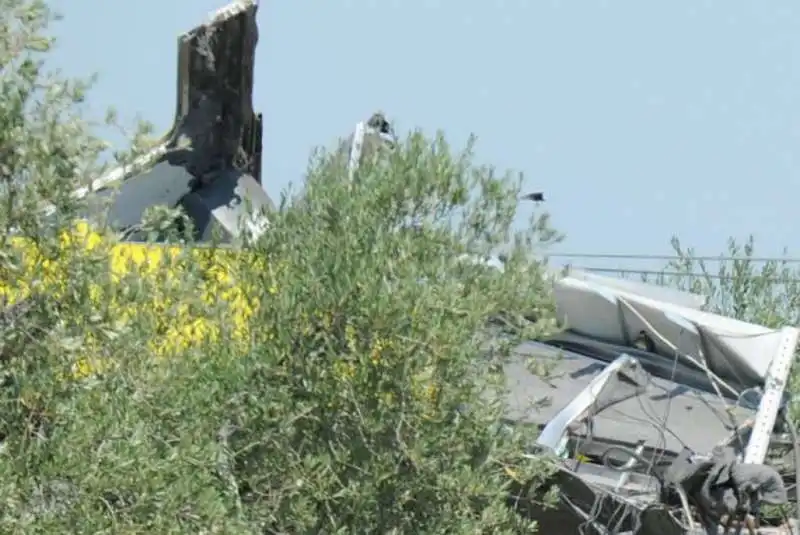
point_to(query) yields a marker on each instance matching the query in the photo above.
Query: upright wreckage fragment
(209, 163)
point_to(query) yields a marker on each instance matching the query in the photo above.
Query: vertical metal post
(774, 385)
(356, 147)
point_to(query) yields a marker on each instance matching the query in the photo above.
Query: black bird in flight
(535, 197)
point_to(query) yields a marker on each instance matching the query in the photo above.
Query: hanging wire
(661, 273)
(626, 511)
(715, 380)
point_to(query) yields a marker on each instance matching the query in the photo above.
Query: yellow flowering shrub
(221, 404)
(182, 317)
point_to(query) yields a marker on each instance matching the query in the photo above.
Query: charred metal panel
(215, 127)
(215, 135)
(161, 184)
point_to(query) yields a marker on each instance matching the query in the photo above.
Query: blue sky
(639, 120)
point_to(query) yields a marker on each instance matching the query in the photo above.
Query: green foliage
(396, 327)
(746, 288)
(765, 292)
(366, 398)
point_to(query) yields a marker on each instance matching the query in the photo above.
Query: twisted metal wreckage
(662, 418)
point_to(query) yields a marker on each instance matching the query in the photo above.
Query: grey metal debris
(644, 441)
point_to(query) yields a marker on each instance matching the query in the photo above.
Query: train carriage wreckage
(660, 418)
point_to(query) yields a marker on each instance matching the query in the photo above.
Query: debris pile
(661, 418)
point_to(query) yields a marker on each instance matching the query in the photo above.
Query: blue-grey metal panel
(162, 184)
(694, 418)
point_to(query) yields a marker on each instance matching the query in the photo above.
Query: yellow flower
(350, 337)
(159, 273)
(375, 353)
(344, 370)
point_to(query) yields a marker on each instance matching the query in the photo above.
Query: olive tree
(376, 343)
(64, 313)
(337, 375)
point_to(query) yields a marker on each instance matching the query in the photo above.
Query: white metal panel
(554, 432)
(652, 291)
(593, 309)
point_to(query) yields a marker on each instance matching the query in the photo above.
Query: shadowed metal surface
(231, 201)
(694, 418)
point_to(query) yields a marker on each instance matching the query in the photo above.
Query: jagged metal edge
(231, 10)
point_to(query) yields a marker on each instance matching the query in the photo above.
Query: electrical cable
(625, 510)
(719, 258)
(716, 381)
(713, 379)
(661, 425)
(655, 473)
(597, 509)
(668, 410)
(651, 420)
(605, 459)
(647, 411)
(665, 273)
(711, 376)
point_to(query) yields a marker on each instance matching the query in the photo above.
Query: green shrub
(373, 342)
(363, 398)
